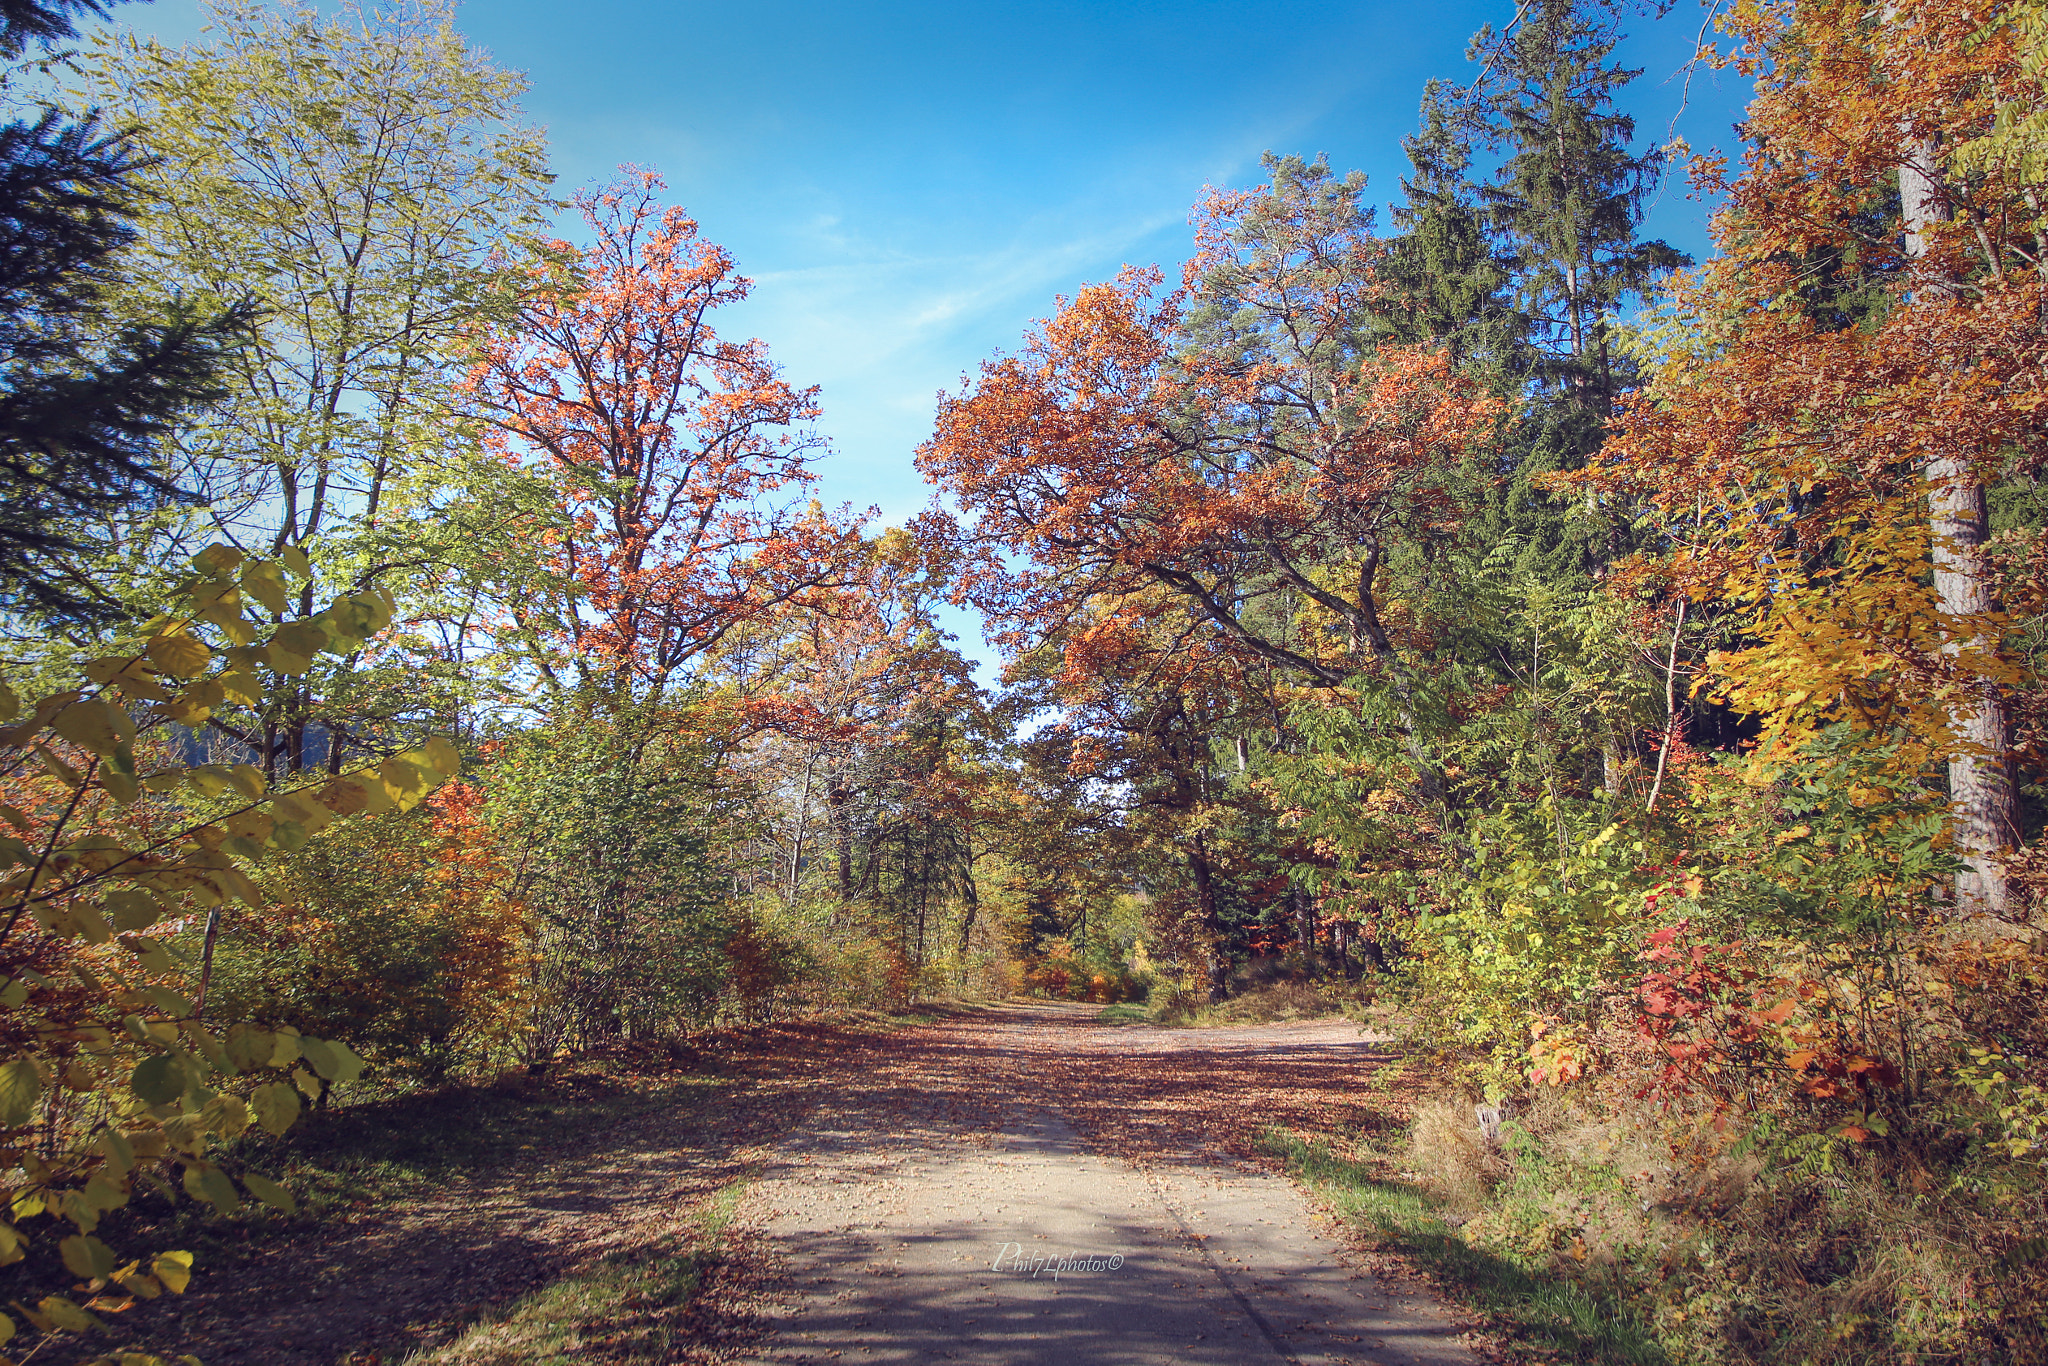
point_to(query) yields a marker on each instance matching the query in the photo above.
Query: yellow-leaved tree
(112, 1077)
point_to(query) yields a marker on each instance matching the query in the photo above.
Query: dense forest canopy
(430, 647)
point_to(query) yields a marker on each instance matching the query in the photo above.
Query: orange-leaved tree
(678, 454)
(1234, 442)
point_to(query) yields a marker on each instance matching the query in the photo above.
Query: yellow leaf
(296, 807)
(270, 1193)
(179, 656)
(445, 759)
(58, 769)
(332, 1059)
(216, 559)
(276, 1105)
(21, 1086)
(91, 926)
(131, 908)
(131, 1279)
(358, 792)
(152, 954)
(204, 1181)
(207, 693)
(226, 1115)
(121, 787)
(345, 796)
(228, 616)
(248, 824)
(405, 781)
(250, 1047)
(241, 687)
(104, 1194)
(23, 731)
(98, 726)
(287, 1051)
(86, 1258)
(66, 1315)
(174, 1269)
(265, 583)
(120, 1153)
(302, 638)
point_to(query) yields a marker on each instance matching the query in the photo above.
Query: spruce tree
(1446, 281)
(83, 398)
(1519, 275)
(1569, 195)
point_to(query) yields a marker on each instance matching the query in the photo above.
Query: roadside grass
(625, 1309)
(1272, 1003)
(377, 1155)
(1550, 1315)
(383, 1152)
(388, 1149)
(1124, 1014)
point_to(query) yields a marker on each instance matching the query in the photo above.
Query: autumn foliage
(1624, 680)
(676, 452)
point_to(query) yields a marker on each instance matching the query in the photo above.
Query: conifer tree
(1446, 280)
(83, 399)
(1569, 195)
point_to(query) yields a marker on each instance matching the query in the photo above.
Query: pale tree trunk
(1979, 777)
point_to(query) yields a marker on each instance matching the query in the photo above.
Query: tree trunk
(1304, 907)
(970, 900)
(843, 832)
(1212, 921)
(1979, 775)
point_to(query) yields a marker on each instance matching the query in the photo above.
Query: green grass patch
(1124, 1015)
(1547, 1313)
(627, 1308)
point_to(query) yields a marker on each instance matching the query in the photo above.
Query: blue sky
(910, 184)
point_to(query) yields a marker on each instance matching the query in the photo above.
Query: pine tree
(83, 399)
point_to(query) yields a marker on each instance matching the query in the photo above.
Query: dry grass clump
(1761, 1242)
(1450, 1156)
(1280, 1001)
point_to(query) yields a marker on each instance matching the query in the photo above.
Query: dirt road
(1027, 1184)
(909, 1194)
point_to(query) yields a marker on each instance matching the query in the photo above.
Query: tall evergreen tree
(1518, 277)
(1569, 195)
(83, 398)
(1446, 281)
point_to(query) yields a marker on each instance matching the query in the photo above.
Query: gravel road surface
(949, 1207)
